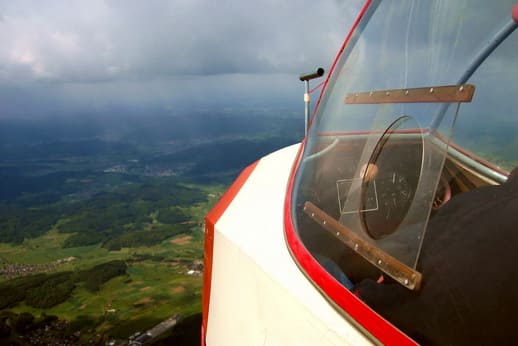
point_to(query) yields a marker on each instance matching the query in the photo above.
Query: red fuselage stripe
(376, 325)
(338, 55)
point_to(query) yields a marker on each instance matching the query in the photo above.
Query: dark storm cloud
(99, 41)
(60, 55)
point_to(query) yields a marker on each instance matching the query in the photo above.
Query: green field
(101, 218)
(155, 287)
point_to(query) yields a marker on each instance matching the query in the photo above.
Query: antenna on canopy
(319, 72)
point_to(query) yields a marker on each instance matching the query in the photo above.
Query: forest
(124, 205)
(103, 216)
(47, 290)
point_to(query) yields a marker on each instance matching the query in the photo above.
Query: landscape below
(101, 225)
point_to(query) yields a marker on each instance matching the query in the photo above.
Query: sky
(74, 57)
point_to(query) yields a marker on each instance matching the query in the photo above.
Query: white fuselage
(258, 295)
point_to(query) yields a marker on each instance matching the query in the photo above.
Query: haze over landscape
(121, 124)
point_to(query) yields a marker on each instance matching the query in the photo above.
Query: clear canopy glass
(421, 107)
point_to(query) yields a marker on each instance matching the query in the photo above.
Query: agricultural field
(162, 278)
(101, 228)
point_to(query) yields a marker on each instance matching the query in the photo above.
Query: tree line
(103, 216)
(47, 290)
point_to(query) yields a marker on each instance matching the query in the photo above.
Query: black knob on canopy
(319, 72)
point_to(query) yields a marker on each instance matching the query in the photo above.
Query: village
(15, 270)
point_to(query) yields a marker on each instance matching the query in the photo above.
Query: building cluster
(195, 268)
(58, 333)
(139, 339)
(151, 171)
(11, 271)
(14, 270)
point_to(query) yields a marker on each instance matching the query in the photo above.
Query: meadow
(109, 219)
(156, 285)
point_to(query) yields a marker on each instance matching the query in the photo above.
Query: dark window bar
(399, 271)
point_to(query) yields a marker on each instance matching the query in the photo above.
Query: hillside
(101, 227)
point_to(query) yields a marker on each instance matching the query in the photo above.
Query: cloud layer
(118, 51)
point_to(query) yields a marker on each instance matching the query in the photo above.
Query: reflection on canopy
(399, 137)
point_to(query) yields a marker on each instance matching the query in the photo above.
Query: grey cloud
(89, 41)
(68, 55)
